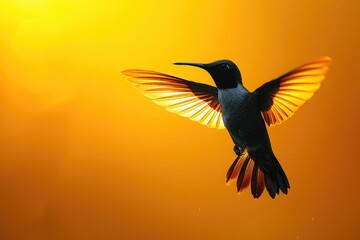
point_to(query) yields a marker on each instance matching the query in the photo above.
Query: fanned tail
(259, 170)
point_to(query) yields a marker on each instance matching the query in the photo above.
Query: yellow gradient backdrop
(85, 156)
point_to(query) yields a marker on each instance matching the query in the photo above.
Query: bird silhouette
(244, 114)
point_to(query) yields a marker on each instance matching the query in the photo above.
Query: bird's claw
(238, 151)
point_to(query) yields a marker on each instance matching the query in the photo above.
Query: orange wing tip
(129, 72)
(139, 73)
(325, 59)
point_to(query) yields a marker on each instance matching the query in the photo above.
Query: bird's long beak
(200, 65)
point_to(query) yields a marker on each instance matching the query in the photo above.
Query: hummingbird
(244, 114)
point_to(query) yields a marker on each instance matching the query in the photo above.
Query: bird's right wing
(280, 98)
(196, 101)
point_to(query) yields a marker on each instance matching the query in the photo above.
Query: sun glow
(31, 4)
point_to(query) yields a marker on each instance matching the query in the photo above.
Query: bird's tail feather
(259, 170)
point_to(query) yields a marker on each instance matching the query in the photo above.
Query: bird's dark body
(243, 119)
(245, 124)
(241, 113)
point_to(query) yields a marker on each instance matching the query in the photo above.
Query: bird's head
(224, 72)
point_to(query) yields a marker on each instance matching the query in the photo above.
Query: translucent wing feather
(280, 98)
(196, 101)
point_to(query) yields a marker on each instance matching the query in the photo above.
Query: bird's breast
(234, 104)
(241, 117)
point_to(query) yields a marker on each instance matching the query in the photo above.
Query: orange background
(85, 156)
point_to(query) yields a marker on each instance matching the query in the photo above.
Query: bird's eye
(224, 65)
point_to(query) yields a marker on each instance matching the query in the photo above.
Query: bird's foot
(238, 151)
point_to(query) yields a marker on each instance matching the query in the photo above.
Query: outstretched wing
(196, 101)
(280, 98)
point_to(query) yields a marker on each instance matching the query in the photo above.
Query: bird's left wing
(280, 98)
(196, 101)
